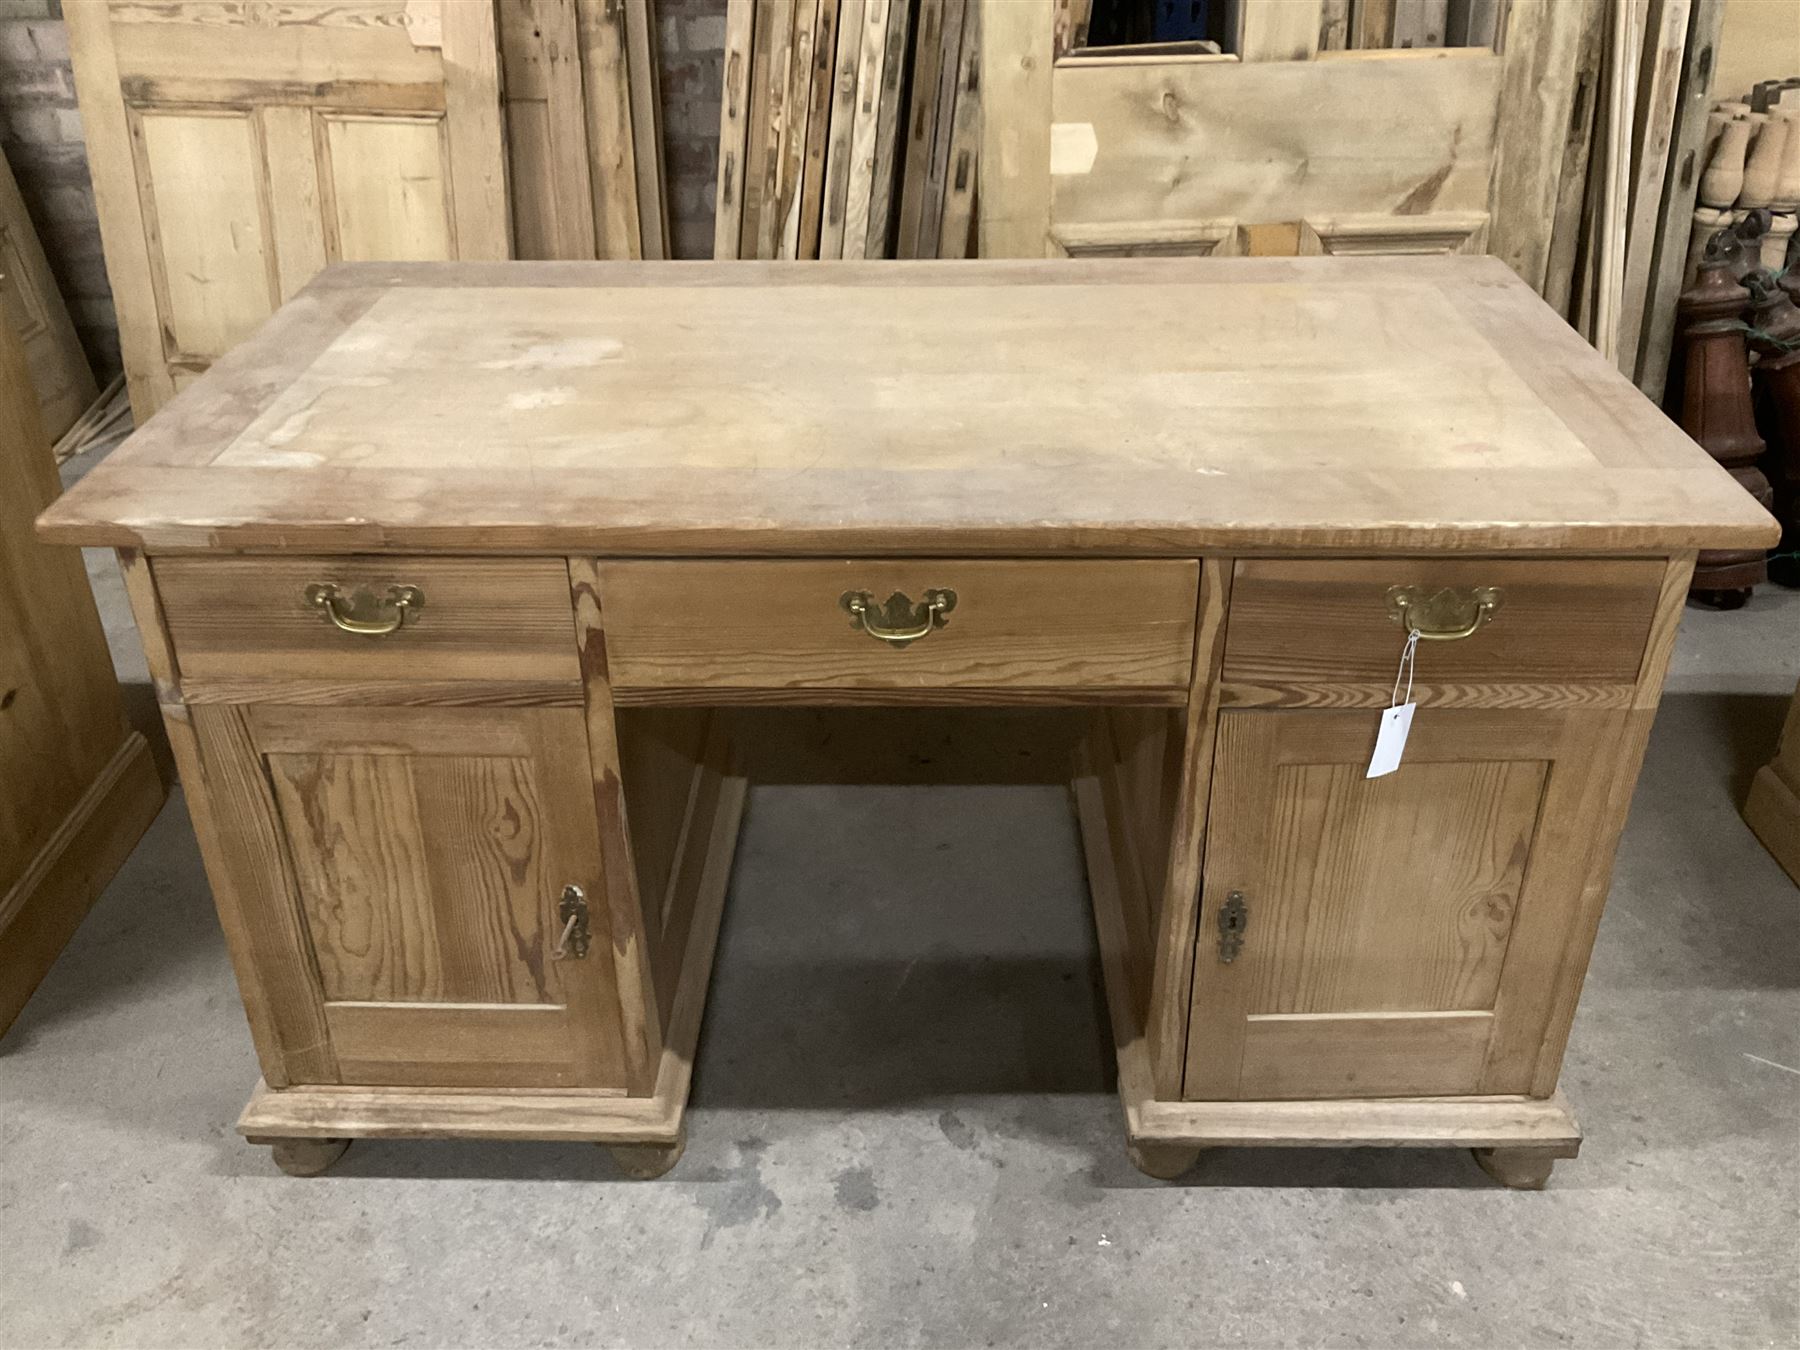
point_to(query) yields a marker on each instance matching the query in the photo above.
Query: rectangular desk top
(1146, 406)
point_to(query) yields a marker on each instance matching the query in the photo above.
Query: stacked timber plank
(583, 129)
(848, 129)
(1624, 252)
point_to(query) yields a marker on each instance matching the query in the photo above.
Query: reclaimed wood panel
(77, 786)
(31, 304)
(1182, 141)
(216, 131)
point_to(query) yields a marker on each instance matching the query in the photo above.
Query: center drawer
(900, 624)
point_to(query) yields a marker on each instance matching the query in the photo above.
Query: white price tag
(1390, 741)
(1396, 720)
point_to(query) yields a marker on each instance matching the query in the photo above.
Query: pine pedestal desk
(455, 577)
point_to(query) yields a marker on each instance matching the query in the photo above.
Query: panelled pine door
(239, 148)
(31, 305)
(401, 873)
(1398, 934)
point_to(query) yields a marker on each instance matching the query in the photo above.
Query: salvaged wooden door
(404, 877)
(1391, 937)
(238, 149)
(29, 301)
(1278, 148)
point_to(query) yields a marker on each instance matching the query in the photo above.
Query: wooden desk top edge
(1653, 491)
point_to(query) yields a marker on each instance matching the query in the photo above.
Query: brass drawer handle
(899, 621)
(1448, 616)
(341, 610)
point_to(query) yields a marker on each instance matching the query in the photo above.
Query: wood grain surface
(1158, 406)
(1320, 623)
(494, 619)
(773, 625)
(1385, 914)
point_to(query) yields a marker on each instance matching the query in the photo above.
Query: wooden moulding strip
(1413, 1122)
(1136, 1086)
(734, 127)
(1179, 913)
(882, 696)
(642, 65)
(641, 1031)
(416, 1113)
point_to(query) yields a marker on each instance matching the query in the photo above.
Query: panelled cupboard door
(398, 874)
(1400, 936)
(239, 148)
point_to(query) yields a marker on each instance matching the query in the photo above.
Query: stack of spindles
(848, 129)
(1752, 161)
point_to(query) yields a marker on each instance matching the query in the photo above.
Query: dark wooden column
(1716, 411)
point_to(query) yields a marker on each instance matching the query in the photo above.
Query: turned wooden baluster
(1716, 411)
(1776, 342)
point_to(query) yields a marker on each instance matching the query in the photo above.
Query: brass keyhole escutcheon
(1234, 920)
(572, 909)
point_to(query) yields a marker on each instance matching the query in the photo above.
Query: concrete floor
(903, 1131)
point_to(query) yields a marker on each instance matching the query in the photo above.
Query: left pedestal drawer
(370, 618)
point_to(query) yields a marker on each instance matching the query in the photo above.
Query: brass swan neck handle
(341, 610)
(899, 621)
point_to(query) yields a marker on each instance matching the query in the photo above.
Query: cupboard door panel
(1398, 1054)
(421, 878)
(1439, 924)
(199, 175)
(1388, 922)
(387, 183)
(420, 855)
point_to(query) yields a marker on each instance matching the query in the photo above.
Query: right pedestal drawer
(1306, 632)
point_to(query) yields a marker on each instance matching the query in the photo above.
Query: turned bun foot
(646, 1162)
(1165, 1162)
(305, 1157)
(1521, 1169)
(1733, 598)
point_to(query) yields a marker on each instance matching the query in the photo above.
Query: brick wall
(40, 134)
(692, 33)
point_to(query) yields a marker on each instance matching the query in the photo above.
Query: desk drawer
(1010, 627)
(477, 619)
(1557, 622)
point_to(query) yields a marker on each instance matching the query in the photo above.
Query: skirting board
(1449, 1122)
(41, 912)
(330, 1112)
(1773, 811)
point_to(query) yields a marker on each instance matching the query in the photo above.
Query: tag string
(1409, 658)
